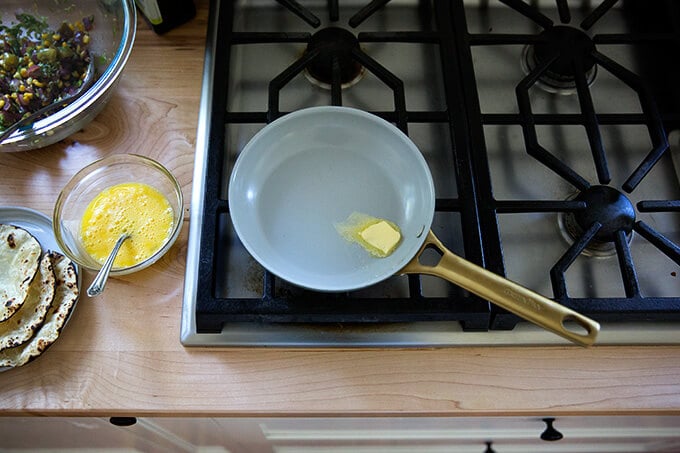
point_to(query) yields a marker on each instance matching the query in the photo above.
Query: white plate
(40, 226)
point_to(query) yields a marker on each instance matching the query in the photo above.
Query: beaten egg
(133, 208)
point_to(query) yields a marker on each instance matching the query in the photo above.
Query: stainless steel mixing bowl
(111, 41)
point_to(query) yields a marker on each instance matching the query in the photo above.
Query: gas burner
(606, 205)
(337, 44)
(573, 48)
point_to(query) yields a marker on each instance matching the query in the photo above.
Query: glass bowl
(111, 41)
(90, 182)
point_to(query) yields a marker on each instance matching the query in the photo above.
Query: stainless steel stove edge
(191, 278)
(418, 335)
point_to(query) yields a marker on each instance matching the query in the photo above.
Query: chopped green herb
(40, 66)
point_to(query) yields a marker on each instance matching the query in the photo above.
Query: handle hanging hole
(430, 256)
(575, 326)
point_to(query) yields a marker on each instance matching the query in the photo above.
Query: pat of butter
(382, 236)
(379, 237)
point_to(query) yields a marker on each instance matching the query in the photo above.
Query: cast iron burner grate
(563, 56)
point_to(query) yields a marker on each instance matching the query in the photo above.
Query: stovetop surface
(527, 117)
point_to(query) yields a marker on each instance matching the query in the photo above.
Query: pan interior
(309, 170)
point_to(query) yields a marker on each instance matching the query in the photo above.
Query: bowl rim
(98, 89)
(116, 159)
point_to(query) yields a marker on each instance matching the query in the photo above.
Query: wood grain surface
(120, 354)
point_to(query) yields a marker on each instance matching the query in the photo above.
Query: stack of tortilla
(37, 292)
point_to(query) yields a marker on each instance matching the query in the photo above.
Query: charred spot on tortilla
(380, 237)
(19, 256)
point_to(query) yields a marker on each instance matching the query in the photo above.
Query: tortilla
(65, 296)
(19, 256)
(26, 321)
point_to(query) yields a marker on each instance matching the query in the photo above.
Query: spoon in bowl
(97, 286)
(48, 109)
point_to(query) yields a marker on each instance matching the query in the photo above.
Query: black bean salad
(39, 65)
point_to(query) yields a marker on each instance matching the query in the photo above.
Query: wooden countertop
(121, 355)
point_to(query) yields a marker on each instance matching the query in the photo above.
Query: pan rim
(290, 273)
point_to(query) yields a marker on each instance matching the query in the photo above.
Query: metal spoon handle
(48, 109)
(37, 114)
(99, 281)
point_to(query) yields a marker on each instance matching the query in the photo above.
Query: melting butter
(379, 237)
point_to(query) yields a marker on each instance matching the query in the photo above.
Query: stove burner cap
(606, 205)
(333, 43)
(571, 45)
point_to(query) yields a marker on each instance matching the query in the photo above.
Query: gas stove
(550, 131)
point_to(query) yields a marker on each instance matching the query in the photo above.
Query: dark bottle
(164, 15)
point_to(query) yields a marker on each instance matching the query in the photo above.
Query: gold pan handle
(505, 293)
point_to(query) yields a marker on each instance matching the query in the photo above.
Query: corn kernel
(86, 39)
(22, 88)
(2, 103)
(28, 96)
(23, 72)
(37, 83)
